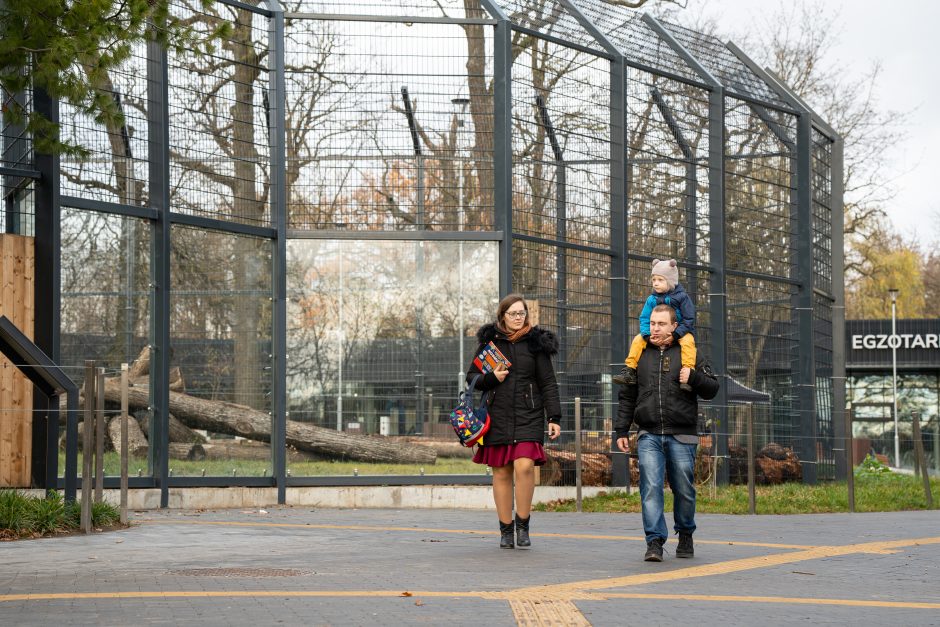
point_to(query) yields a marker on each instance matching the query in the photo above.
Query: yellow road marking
(523, 604)
(567, 590)
(196, 594)
(578, 536)
(785, 600)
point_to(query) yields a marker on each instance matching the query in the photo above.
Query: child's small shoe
(627, 376)
(685, 387)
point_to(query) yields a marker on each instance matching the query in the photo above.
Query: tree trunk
(222, 417)
(178, 431)
(187, 452)
(250, 450)
(250, 267)
(442, 448)
(137, 444)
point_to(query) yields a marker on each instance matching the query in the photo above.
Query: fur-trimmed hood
(539, 340)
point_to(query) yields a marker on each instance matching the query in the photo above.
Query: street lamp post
(894, 373)
(461, 104)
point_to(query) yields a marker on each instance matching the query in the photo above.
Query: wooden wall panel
(17, 267)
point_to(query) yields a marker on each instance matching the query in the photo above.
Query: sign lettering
(886, 341)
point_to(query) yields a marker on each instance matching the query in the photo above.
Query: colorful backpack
(469, 422)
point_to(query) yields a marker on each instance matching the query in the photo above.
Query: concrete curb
(358, 497)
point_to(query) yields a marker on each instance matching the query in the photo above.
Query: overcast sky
(904, 38)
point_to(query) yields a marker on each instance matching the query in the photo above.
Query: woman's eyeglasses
(516, 314)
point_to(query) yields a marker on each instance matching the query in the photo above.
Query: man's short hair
(668, 309)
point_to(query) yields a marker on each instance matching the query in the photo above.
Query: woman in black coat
(519, 400)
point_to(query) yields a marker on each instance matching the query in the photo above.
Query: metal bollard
(920, 457)
(751, 496)
(850, 460)
(99, 435)
(87, 445)
(124, 452)
(577, 451)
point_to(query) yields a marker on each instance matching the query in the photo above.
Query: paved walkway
(303, 566)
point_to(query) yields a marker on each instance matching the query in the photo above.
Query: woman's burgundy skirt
(503, 454)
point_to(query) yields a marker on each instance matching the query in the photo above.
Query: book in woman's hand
(489, 357)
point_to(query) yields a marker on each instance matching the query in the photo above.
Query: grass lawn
(885, 492)
(261, 468)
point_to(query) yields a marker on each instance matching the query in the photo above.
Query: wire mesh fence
(313, 220)
(18, 161)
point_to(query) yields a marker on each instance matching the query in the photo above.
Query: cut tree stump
(232, 419)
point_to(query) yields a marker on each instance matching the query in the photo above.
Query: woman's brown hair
(508, 301)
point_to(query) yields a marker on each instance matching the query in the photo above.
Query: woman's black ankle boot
(522, 531)
(505, 535)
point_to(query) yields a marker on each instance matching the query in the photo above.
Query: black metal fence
(327, 206)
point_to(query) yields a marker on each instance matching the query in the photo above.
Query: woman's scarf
(518, 335)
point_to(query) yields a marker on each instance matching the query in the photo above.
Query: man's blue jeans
(659, 455)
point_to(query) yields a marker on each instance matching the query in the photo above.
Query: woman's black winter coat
(519, 405)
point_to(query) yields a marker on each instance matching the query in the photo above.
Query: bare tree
(796, 43)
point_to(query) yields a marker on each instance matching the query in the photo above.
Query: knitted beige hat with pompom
(667, 269)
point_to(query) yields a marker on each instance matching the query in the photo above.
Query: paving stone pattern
(306, 566)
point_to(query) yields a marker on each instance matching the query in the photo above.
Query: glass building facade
(873, 388)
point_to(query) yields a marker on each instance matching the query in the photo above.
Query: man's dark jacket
(518, 406)
(656, 403)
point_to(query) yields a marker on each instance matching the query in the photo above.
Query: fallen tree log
(224, 417)
(139, 372)
(560, 468)
(773, 464)
(189, 452)
(137, 445)
(81, 438)
(176, 384)
(178, 431)
(443, 449)
(251, 450)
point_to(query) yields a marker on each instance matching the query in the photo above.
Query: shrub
(47, 515)
(23, 516)
(870, 466)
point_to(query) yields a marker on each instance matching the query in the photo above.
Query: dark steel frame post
(619, 208)
(618, 213)
(278, 140)
(718, 298)
(502, 140)
(806, 365)
(159, 170)
(47, 300)
(840, 425)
